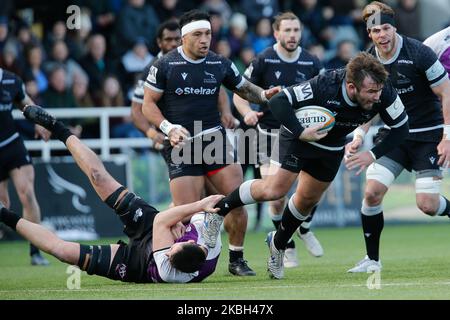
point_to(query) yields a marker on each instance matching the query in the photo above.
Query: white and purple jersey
(161, 270)
(440, 43)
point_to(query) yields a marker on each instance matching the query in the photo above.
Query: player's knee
(373, 197)
(95, 259)
(428, 206)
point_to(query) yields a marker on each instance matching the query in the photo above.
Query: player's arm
(139, 119)
(226, 117)
(255, 94)
(443, 92)
(359, 135)
(395, 117)
(251, 117)
(174, 132)
(282, 106)
(162, 236)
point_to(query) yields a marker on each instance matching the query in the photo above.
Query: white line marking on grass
(166, 287)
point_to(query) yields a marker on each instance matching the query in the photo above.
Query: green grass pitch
(415, 258)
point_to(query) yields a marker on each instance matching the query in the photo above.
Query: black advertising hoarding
(69, 204)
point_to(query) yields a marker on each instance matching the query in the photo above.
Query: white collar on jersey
(397, 53)
(185, 57)
(346, 97)
(284, 58)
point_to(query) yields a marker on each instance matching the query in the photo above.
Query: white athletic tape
(245, 192)
(294, 210)
(371, 211)
(194, 25)
(359, 133)
(428, 185)
(166, 127)
(447, 132)
(380, 173)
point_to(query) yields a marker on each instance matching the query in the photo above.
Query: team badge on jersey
(248, 71)
(303, 92)
(152, 74)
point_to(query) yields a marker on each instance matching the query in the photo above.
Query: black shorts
(295, 156)
(12, 156)
(416, 155)
(131, 260)
(201, 156)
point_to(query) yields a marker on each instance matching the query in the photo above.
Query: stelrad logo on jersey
(197, 91)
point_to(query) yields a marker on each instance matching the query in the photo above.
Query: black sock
(231, 201)
(33, 250)
(304, 230)
(291, 243)
(447, 207)
(372, 227)
(9, 218)
(236, 255)
(61, 132)
(286, 229)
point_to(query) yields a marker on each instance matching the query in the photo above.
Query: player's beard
(285, 46)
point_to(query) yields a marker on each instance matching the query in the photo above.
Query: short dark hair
(284, 16)
(363, 65)
(193, 15)
(170, 25)
(189, 259)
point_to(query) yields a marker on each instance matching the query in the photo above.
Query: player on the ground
(355, 95)
(424, 88)
(15, 162)
(180, 98)
(161, 247)
(284, 64)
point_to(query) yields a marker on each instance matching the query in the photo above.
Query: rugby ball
(315, 115)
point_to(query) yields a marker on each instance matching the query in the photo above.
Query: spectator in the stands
(237, 36)
(33, 68)
(345, 51)
(167, 9)
(58, 94)
(4, 31)
(60, 56)
(262, 38)
(407, 19)
(136, 19)
(9, 58)
(257, 9)
(134, 62)
(96, 65)
(59, 33)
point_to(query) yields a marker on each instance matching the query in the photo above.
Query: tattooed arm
(255, 94)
